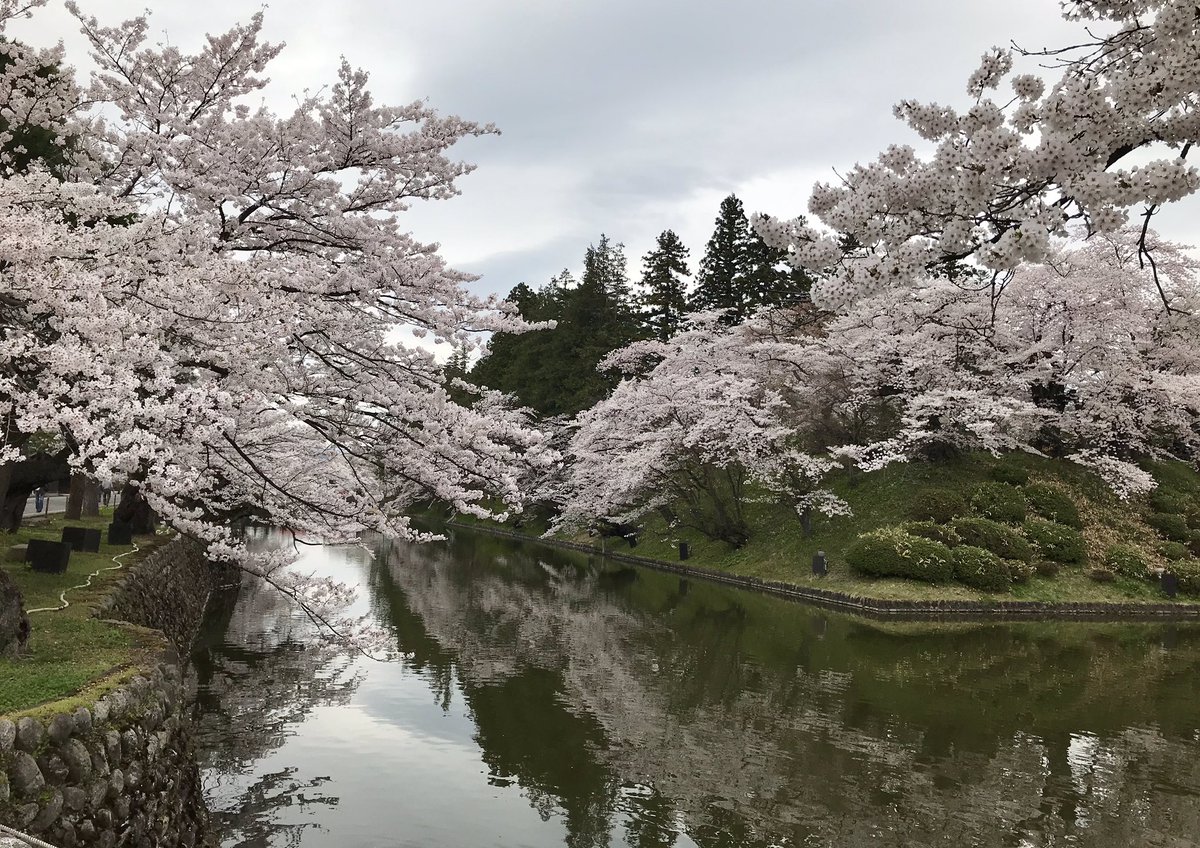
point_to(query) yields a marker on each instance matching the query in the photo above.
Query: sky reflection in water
(546, 699)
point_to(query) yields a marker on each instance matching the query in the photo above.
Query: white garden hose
(64, 603)
(24, 837)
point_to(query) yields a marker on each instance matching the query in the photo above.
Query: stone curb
(880, 608)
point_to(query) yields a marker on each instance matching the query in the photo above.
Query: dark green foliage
(1170, 525)
(457, 368)
(724, 279)
(554, 371)
(932, 530)
(1021, 572)
(1008, 471)
(1174, 550)
(893, 553)
(940, 505)
(740, 273)
(1128, 561)
(999, 502)
(1188, 573)
(664, 284)
(1046, 568)
(1052, 504)
(1102, 575)
(1055, 542)
(980, 569)
(771, 280)
(1169, 500)
(1000, 539)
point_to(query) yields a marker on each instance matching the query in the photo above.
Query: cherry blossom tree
(1072, 353)
(1074, 356)
(1108, 137)
(204, 300)
(993, 290)
(693, 429)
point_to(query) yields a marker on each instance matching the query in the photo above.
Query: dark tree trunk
(134, 511)
(91, 499)
(22, 478)
(75, 499)
(12, 510)
(6, 470)
(14, 624)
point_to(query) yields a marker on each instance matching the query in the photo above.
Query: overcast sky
(620, 116)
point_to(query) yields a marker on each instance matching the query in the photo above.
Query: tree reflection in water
(261, 674)
(634, 708)
(741, 720)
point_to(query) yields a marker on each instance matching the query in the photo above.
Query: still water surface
(548, 699)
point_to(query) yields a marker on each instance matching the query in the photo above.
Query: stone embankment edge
(881, 608)
(121, 771)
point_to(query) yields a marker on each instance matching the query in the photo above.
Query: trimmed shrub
(1174, 550)
(1102, 575)
(1022, 572)
(1055, 542)
(1002, 540)
(1169, 500)
(1046, 568)
(1052, 504)
(1170, 525)
(1128, 561)
(1007, 471)
(938, 505)
(891, 552)
(930, 530)
(980, 569)
(1188, 573)
(999, 502)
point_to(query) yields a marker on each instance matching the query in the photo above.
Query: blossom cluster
(1006, 175)
(203, 296)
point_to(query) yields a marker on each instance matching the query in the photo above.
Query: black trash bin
(82, 538)
(48, 556)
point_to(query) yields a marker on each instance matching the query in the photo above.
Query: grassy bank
(778, 549)
(71, 656)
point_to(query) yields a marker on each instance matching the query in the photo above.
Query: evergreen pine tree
(553, 371)
(724, 278)
(664, 280)
(457, 367)
(598, 317)
(603, 299)
(772, 282)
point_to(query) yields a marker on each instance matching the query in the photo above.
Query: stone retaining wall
(121, 771)
(168, 590)
(882, 607)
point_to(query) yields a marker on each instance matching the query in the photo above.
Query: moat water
(543, 698)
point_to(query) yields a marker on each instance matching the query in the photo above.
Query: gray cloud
(627, 116)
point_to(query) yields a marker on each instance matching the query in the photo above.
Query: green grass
(779, 551)
(69, 652)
